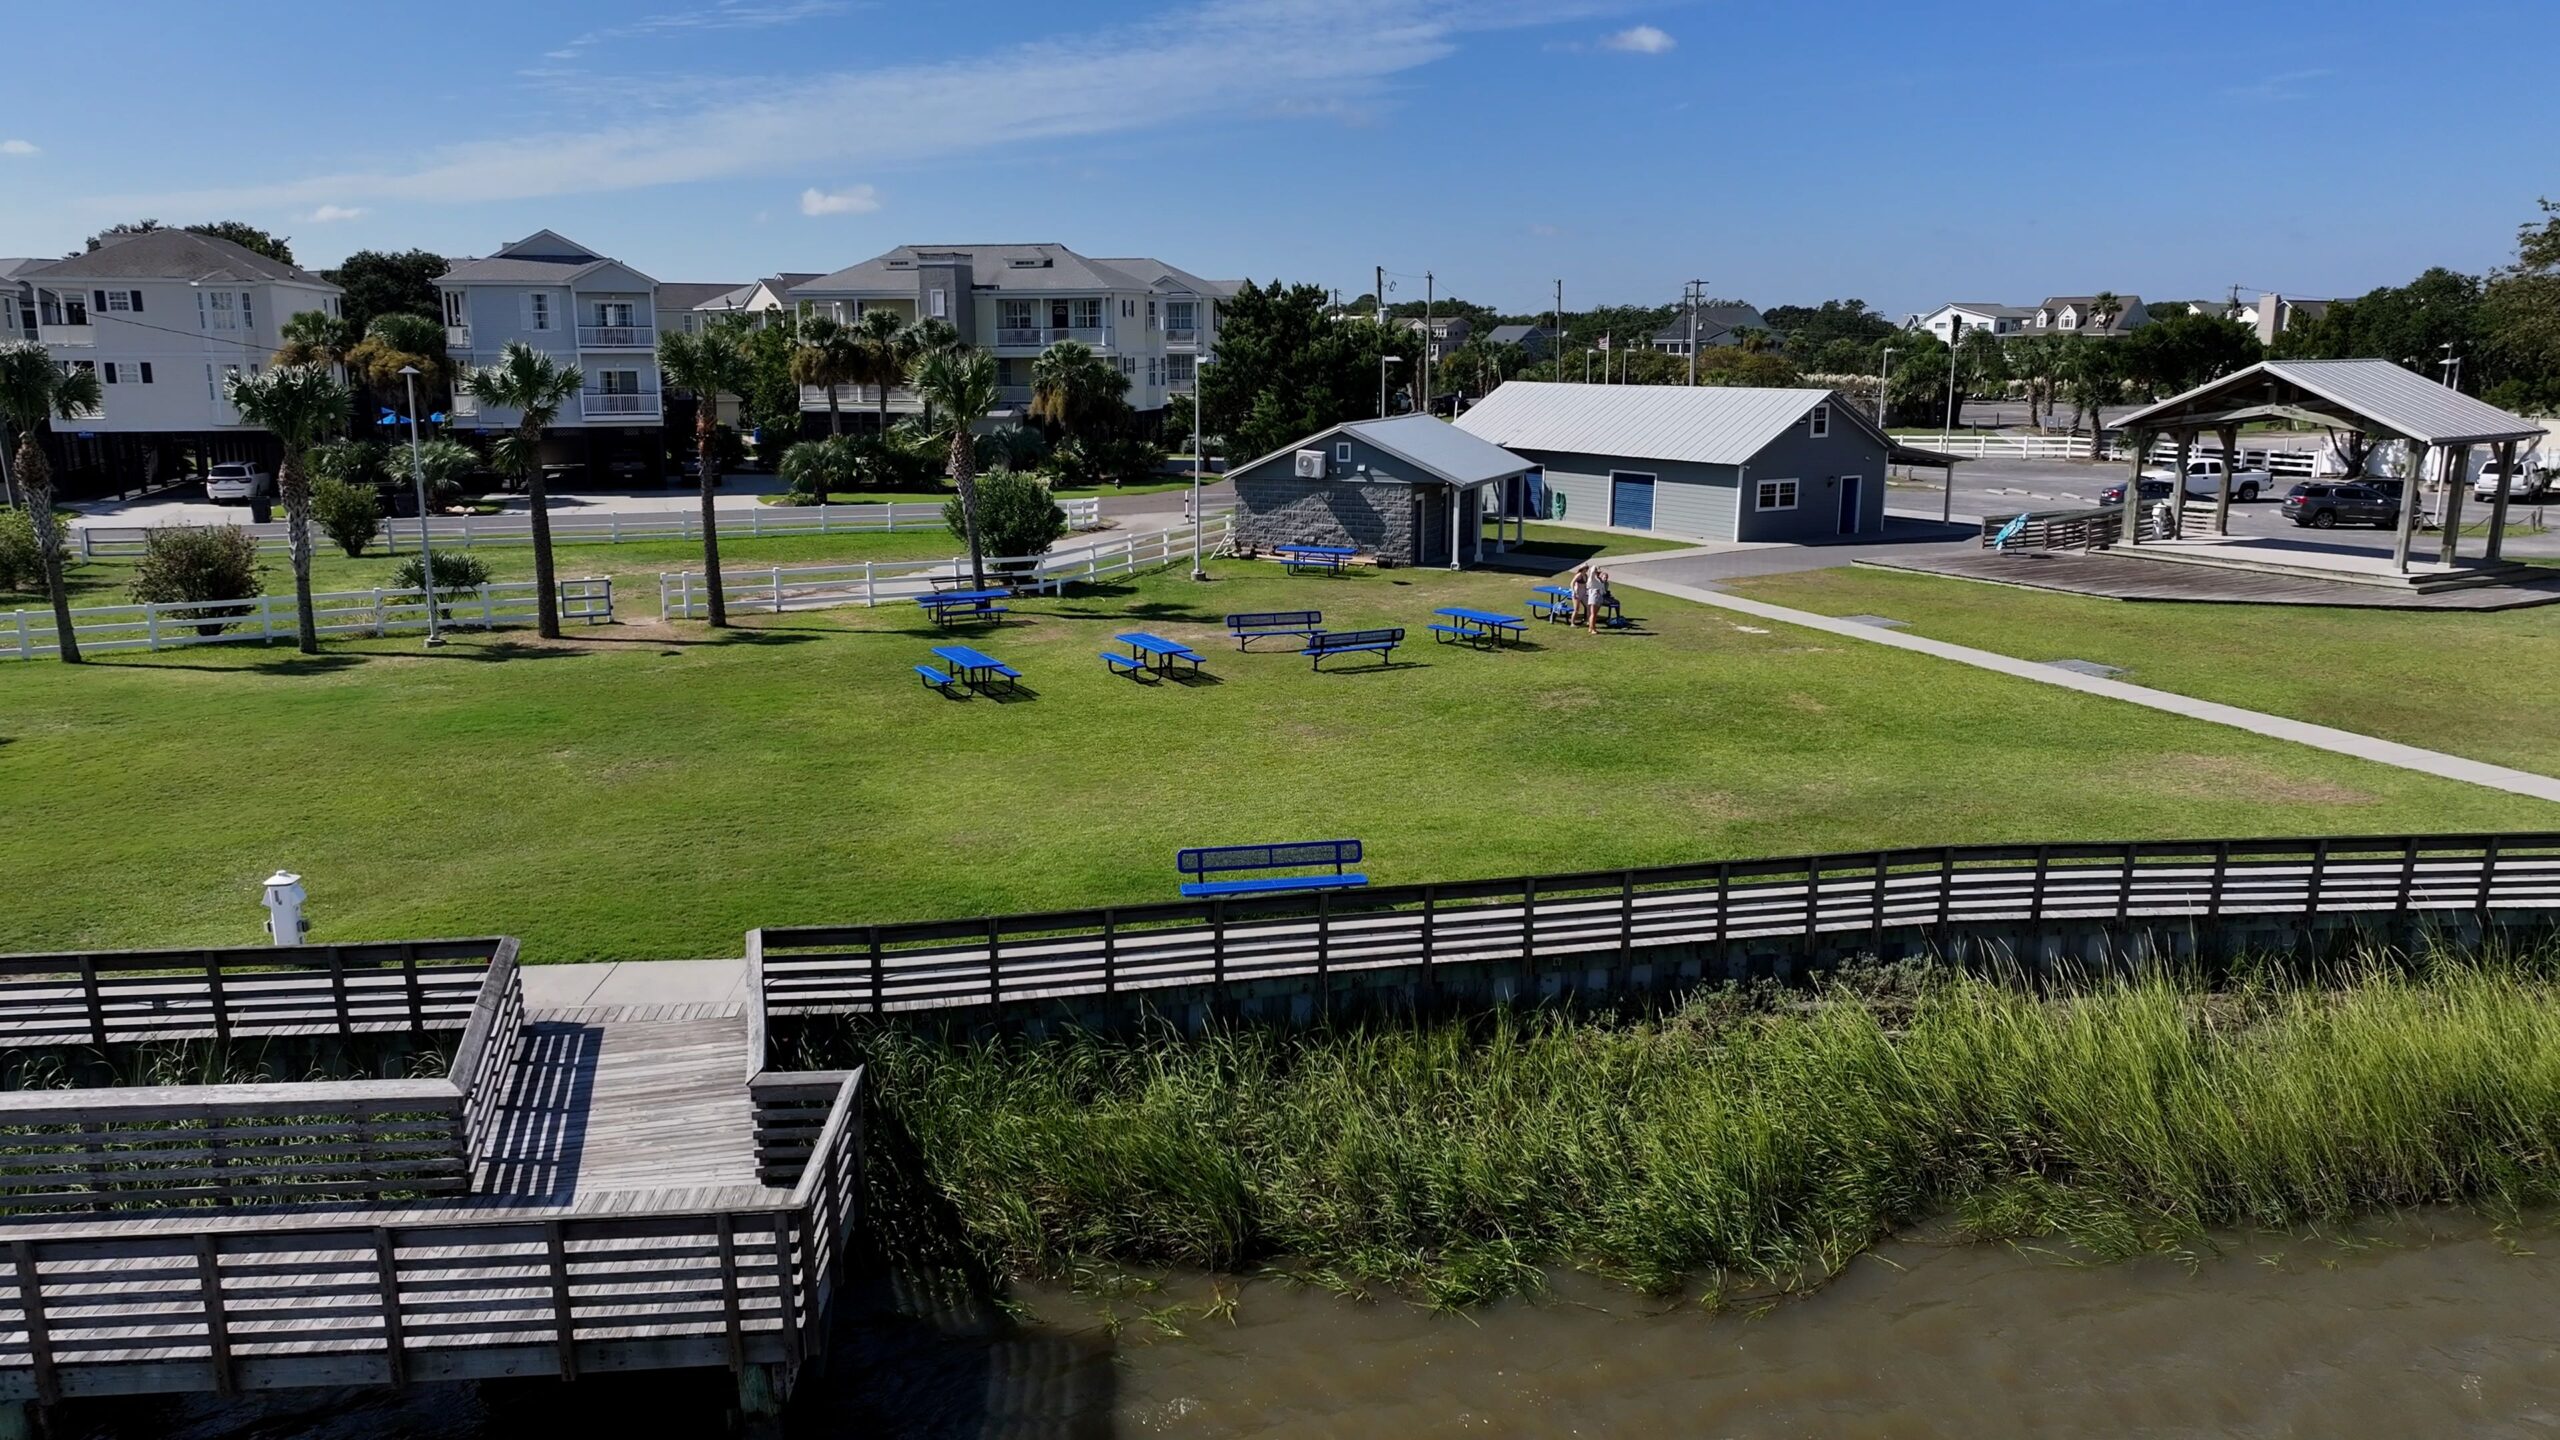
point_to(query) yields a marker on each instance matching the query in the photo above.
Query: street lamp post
(418, 475)
(1947, 430)
(1884, 386)
(1199, 521)
(1383, 362)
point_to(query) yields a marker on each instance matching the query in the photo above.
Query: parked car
(2153, 488)
(237, 482)
(2204, 479)
(2524, 484)
(2326, 504)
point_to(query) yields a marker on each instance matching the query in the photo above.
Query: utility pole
(1379, 291)
(1697, 293)
(1555, 343)
(1430, 340)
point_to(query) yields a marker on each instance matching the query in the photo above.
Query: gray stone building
(1711, 462)
(1407, 490)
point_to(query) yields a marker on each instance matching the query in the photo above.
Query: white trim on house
(1776, 494)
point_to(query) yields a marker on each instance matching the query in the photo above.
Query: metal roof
(2376, 393)
(1431, 445)
(1704, 424)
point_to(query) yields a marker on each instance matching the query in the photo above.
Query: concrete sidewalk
(2341, 742)
(635, 983)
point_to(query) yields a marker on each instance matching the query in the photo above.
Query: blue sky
(1904, 153)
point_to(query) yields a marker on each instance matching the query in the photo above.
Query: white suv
(235, 482)
(2525, 484)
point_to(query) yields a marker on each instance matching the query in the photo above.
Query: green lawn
(1573, 546)
(634, 792)
(633, 562)
(2482, 685)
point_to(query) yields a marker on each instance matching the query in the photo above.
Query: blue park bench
(1294, 855)
(1324, 643)
(1328, 558)
(1248, 628)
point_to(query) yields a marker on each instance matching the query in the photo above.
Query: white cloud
(1639, 40)
(858, 200)
(1216, 59)
(721, 15)
(327, 213)
(18, 147)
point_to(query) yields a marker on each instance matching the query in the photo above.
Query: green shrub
(1016, 515)
(21, 568)
(218, 562)
(455, 570)
(815, 469)
(348, 514)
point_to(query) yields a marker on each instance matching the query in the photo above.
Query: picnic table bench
(945, 605)
(1149, 655)
(1328, 558)
(964, 666)
(1247, 628)
(1473, 626)
(1293, 855)
(1326, 643)
(1557, 605)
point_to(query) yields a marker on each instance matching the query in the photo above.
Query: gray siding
(1374, 512)
(1689, 500)
(1816, 466)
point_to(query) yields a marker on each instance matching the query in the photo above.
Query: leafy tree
(455, 571)
(21, 565)
(298, 404)
(960, 386)
(1285, 368)
(1811, 328)
(1981, 362)
(34, 392)
(826, 358)
(2406, 324)
(771, 404)
(385, 282)
(1016, 515)
(190, 563)
(348, 514)
(396, 339)
(2092, 376)
(2179, 352)
(248, 237)
(1916, 391)
(534, 386)
(710, 365)
(2520, 320)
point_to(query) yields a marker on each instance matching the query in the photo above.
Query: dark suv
(2323, 505)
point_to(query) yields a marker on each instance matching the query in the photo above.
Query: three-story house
(581, 309)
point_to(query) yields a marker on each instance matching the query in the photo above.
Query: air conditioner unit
(1311, 464)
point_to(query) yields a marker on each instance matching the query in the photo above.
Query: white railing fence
(2005, 447)
(686, 595)
(164, 625)
(399, 536)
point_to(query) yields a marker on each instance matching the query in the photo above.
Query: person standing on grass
(1580, 585)
(1599, 596)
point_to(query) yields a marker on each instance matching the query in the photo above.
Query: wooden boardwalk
(2111, 576)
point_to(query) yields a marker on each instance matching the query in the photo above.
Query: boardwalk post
(1812, 904)
(217, 1326)
(564, 1324)
(875, 969)
(386, 1269)
(1876, 935)
(995, 978)
(786, 1295)
(1110, 955)
(39, 1335)
(732, 1324)
(89, 992)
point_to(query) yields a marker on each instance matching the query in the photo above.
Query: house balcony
(457, 337)
(600, 405)
(81, 336)
(1013, 395)
(1041, 337)
(617, 337)
(853, 399)
(464, 403)
(1181, 337)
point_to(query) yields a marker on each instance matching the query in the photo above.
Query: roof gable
(1435, 447)
(547, 245)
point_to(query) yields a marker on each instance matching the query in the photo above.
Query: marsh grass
(246, 1061)
(1748, 1139)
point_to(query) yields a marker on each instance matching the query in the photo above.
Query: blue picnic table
(1150, 654)
(973, 668)
(1554, 602)
(943, 605)
(1473, 625)
(1328, 558)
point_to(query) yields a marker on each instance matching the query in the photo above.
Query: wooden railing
(1851, 899)
(2090, 529)
(229, 1309)
(163, 1147)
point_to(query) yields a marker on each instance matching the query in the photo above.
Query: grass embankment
(2483, 685)
(1751, 1139)
(643, 791)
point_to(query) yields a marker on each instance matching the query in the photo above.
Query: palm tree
(300, 405)
(960, 386)
(534, 386)
(710, 365)
(34, 391)
(825, 357)
(312, 337)
(1071, 387)
(885, 349)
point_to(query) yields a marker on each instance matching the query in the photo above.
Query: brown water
(2434, 1326)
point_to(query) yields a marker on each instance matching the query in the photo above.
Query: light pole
(1383, 362)
(2451, 365)
(1199, 521)
(1884, 386)
(1948, 429)
(418, 475)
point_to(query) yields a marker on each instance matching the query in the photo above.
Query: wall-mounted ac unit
(1311, 464)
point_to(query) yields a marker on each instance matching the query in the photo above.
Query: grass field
(2482, 685)
(641, 792)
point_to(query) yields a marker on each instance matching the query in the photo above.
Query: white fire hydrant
(285, 924)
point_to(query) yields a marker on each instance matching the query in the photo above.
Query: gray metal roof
(2377, 392)
(1704, 424)
(1439, 447)
(1017, 268)
(1713, 320)
(687, 294)
(1515, 334)
(173, 254)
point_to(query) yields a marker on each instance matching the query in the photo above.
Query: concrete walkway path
(2342, 742)
(635, 984)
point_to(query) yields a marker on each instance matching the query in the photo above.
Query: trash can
(262, 510)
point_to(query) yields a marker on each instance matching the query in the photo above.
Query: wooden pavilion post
(2498, 507)
(2457, 467)
(2409, 505)
(2178, 487)
(2230, 462)
(2135, 441)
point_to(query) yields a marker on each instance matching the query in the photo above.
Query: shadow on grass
(1193, 679)
(288, 665)
(774, 635)
(500, 652)
(1380, 668)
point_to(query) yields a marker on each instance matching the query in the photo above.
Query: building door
(1852, 490)
(1630, 500)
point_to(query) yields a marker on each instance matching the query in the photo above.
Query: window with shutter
(137, 302)
(101, 305)
(146, 372)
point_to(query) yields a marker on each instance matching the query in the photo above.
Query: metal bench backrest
(1292, 855)
(1345, 639)
(1277, 620)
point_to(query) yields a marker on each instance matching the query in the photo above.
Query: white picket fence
(164, 625)
(2006, 447)
(570, 528)
(773, 589)
(2293, 464)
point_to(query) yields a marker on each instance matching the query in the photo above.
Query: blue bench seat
(1199, 888)
(1551, 609)
(938, 679)
(1446, 633)
(1126, 664)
